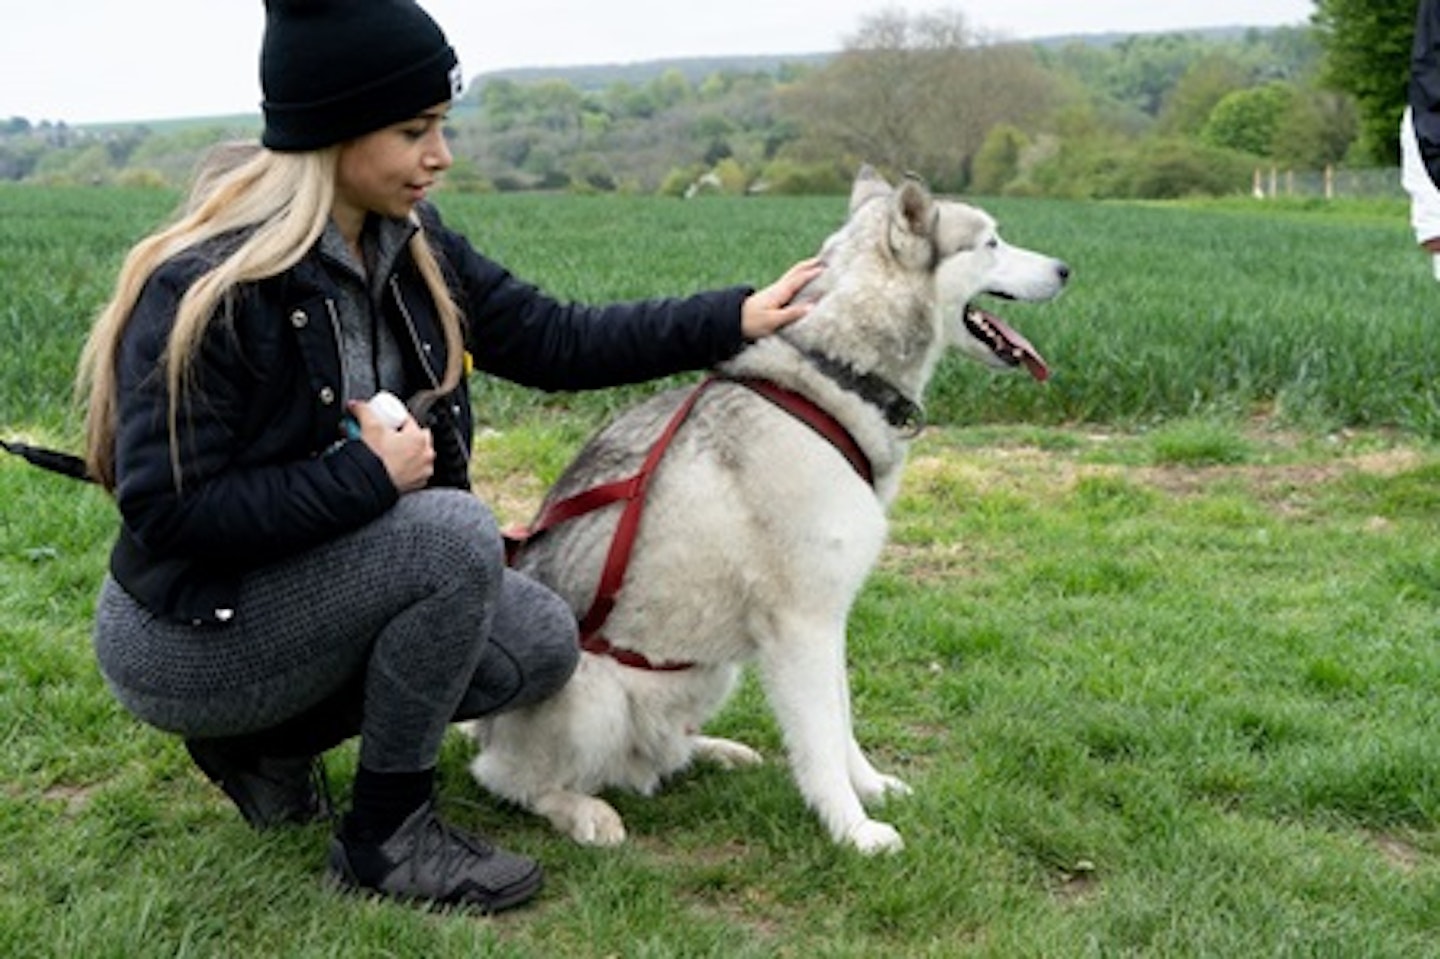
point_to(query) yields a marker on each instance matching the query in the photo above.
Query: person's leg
(400, 610)
(412, 593)
(393, 841)
(380, 627)
(532, 652)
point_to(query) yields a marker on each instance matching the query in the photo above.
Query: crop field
(1155, 643)
(1314, 315)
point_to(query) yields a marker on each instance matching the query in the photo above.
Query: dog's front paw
(585, 819)
(877, 789)
(726, 753)
(872, 837)
(598, 824)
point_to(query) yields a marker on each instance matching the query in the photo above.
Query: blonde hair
(280, 203)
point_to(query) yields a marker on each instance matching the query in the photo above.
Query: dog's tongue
(1015, 347)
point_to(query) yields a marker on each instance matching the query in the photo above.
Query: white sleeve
(1424, 197)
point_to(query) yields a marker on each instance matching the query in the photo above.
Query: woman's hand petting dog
(767, 310)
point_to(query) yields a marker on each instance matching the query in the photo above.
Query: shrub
(1150, 170)
(1172, 169)
(145, 178)
(804, 179)
(678, 180)
(997, 163)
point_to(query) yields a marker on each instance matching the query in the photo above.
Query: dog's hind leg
(588, 820)
(805, 682)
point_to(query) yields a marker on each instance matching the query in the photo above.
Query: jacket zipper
(339, 340)
(425, 362)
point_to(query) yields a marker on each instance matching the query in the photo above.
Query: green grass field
(1155, 643)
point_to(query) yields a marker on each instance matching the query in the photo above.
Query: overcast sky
(102, 60)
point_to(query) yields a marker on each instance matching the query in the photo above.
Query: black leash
(53, 461)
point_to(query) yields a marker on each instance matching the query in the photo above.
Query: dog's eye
(992, 244)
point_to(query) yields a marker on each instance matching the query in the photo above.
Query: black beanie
(332, 70)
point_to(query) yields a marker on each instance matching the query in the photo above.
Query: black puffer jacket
(266, 473)
(1424, 91)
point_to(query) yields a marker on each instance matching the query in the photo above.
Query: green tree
(625, 100)
(1146, 67)
(1249, 120)
(83, 165)
(18, 156)
(558, 107)
(997, 162)
(1188, 105)
(894, 96)
(465, 177)
(1318, 130)
(670, 89)
(1367, 50)
(504, 104)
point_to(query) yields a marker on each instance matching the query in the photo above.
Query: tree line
(1154, 115)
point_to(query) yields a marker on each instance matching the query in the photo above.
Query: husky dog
(757, 533)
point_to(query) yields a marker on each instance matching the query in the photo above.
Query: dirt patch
(1270, 481)
(74, 798)
(513, 497)
(1014, 468)
(1078, 885)
(1404, 856)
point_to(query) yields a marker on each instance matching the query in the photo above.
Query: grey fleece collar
(383, 239)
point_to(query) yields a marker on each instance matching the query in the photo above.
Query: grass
(1162, 679)
(1149, 707)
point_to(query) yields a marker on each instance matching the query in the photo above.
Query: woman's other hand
(408, 453)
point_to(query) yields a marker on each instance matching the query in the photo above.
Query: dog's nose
(1063, 269)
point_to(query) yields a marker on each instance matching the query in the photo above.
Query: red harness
(631, 490)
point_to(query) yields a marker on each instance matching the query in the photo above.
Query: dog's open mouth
(1009, 347)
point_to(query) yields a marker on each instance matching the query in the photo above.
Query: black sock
(382, 801)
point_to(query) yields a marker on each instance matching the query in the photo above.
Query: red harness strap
(817, 419)
(631, 490)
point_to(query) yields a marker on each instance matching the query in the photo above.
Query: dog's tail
(66, 464)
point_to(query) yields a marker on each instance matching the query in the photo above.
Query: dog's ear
(868, 185)
(912, 225)
(916, 207)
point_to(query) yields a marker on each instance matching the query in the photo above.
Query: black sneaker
(428, 860)
(268, 791)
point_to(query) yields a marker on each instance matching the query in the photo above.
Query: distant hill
(598, 76)
(237, 122)
(591, 77)
(1213, 34)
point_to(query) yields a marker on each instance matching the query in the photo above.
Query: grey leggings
(392, 632)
